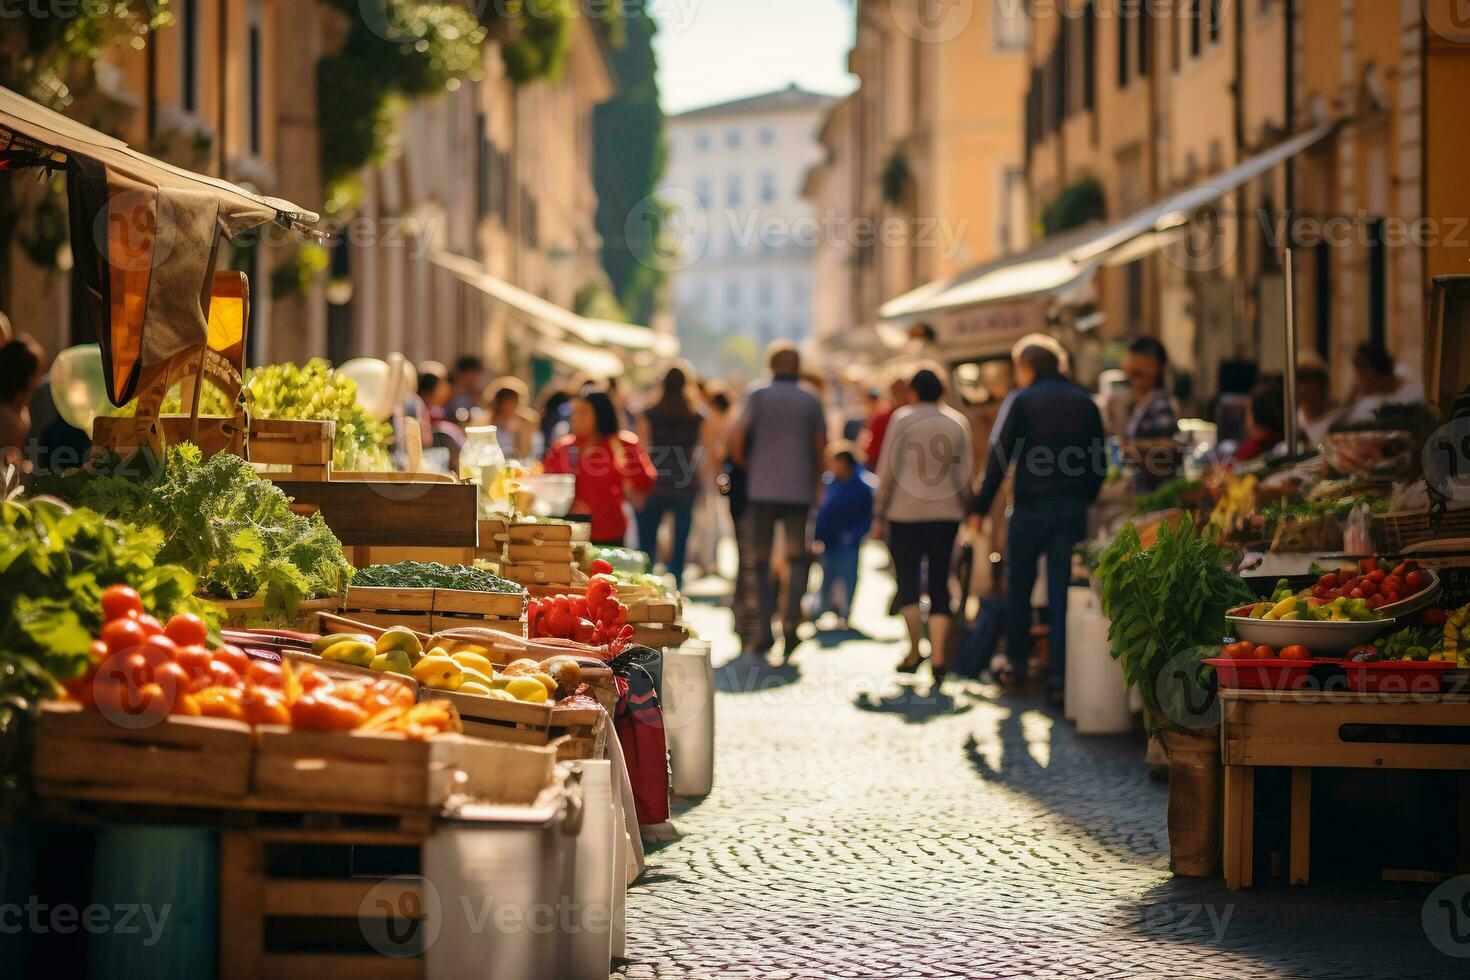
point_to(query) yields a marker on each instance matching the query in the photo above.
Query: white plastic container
(481, 462)
(497, 874)
(587, 925)
(689, 717)
(1094, 679)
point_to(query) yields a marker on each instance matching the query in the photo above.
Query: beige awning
(1065, 263)
(556, 320)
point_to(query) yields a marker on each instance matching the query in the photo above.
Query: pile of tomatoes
(596, 619)
(142, 671)
(1373, 581)
(1245, 650)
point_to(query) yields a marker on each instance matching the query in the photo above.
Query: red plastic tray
(1263, 675)
(1398, 676)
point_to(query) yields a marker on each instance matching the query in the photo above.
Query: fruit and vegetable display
(597, 619)
(221, 521)
(433, 575)
(1244, 650)
(56, 566)
(455, 662)
(314, 391)
(145, 670)
(1353, 593)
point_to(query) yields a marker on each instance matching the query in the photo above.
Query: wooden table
(1341, 730)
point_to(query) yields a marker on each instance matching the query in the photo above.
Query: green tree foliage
(630, 158)
(1075, 206)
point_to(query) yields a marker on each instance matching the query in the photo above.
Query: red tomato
(98, 652)
(1390, 597)
(1378, 575)
(1328, 581)
(1357, 594)
(234, 658)
(265, 674)
(185, 704)
(150, 624)
(601, 567)
(123, 634)
(1374, 601)
(119, 601)
(1263, 652)
(1368, 564)
(1368, 587)
(159, 650)
(325, 713)
(582, 630)
(174, 679)
(217, 674)
(1403, 568)
(1393, 584)
(194, 659)
(187, 629)
(267, 707)
(1296, 652)
(1414, 582)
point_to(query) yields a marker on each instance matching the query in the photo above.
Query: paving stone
(863, 828)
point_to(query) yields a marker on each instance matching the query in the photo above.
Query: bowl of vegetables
(1320, 625)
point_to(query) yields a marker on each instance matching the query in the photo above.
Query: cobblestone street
(864, 829)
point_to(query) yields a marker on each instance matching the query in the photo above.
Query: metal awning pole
(1290, 386)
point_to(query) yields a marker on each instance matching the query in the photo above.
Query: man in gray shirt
(781, 443)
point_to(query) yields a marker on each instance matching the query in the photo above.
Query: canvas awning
(1067, 262)
(556, 321)
(144, 238)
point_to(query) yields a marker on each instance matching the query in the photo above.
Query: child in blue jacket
(843, 521)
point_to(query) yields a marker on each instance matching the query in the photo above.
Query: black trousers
(920, 547)
(793, 520)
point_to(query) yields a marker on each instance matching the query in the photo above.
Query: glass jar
(481, 462)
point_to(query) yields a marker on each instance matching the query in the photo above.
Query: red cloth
(605, 472)
(873, 438)
(640, 728)
(1258, 443)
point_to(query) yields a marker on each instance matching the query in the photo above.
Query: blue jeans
(839, 572)
(651, 518)
(1049, 528)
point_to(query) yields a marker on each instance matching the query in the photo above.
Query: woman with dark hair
(673, 431)
(1149, 438)
(608, 462)
(21, 368)
(923, 483)
(1379, 382)
(1267, 422)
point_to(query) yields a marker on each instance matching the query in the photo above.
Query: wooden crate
(303, 904)
(506, 721)
(579, 733)
(245, 613)
(1398, 530)
(331, 769)
(538, 573)
(530, 552)
(461, 608)
(653, 611)
(413, 608)
(82, 752)
(363, 556)
(659, 636)
(541, 533)
(388, 512)
(304, 447)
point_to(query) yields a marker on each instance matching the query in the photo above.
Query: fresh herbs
(1172, 494)
(220, 520)
(433, 575)
(1167, 606)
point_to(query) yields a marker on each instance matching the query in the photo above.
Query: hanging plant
(1080, 203)
(895, 178)
(416, 49)
(295, 276)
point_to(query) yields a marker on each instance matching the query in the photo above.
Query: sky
(715, 50)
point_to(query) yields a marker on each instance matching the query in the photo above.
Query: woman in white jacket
(924, 478)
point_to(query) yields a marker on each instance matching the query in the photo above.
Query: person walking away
(843, 521)
(780, 442)
(711, 521)
(22, 363)
(673, 432)
(1150, 437)
(923, 483)
(1051, 432)
(609, 463)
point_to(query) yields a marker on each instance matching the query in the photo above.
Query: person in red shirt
(610, 465)
(871, 440)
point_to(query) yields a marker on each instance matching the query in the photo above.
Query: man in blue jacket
(1051, 432)
(843, 521)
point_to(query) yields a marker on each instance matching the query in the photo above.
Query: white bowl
(554, 493)
(1319, 637)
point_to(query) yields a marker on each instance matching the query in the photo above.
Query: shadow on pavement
(829, 639)
(912, 705)
(748, 675)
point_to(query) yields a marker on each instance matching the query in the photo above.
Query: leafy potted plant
(1166, 604)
